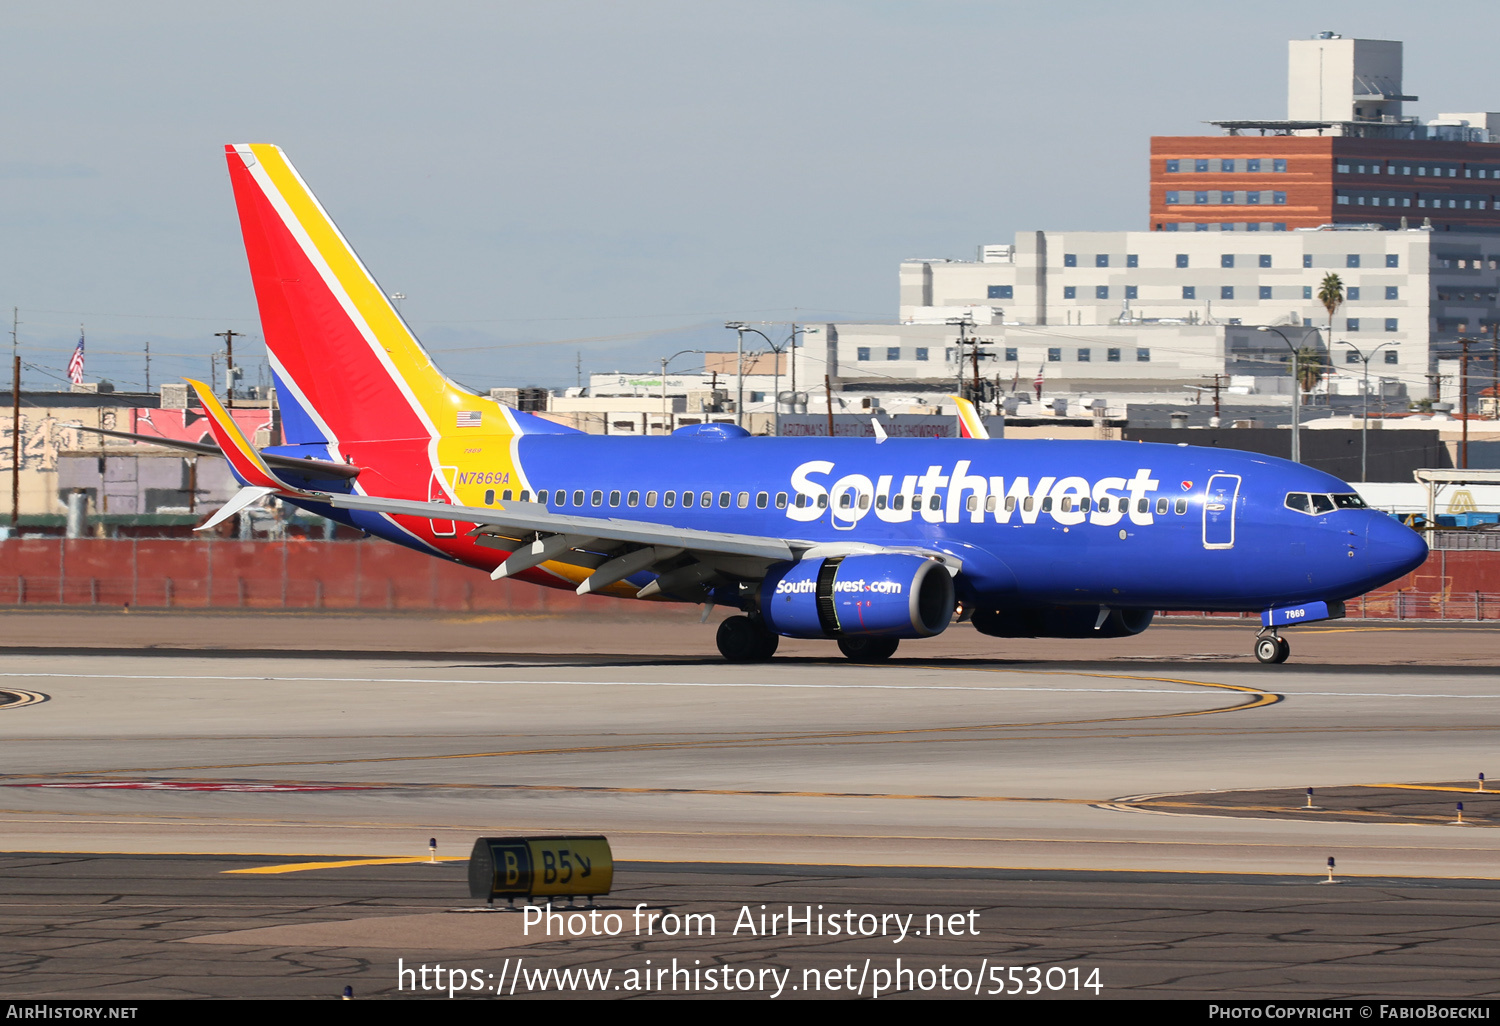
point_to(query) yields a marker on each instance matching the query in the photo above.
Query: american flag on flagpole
(75, 365)
(1038, 382)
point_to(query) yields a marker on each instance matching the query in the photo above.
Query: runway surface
(948, 761)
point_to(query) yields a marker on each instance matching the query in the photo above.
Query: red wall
(296, 574)
(301, 574)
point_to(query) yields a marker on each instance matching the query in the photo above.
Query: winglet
(243, 458)
(969, 424)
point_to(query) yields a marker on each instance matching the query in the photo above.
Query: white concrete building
(1144, 310)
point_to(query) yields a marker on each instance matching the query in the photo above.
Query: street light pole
(741, 328)
(666, 360)
(1296, 390)
(1364, 420)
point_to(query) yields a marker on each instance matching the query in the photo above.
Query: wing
(687, 562)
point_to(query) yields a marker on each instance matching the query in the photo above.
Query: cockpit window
(1316, 505)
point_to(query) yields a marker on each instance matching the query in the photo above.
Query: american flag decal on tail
(469, 418)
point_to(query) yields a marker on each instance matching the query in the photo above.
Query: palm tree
(1310, 361)
(1331, 295)
(1309, 367)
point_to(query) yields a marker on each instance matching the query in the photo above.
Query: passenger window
(936, 502)
(525, 495)
(505, 495)
(597, 498)
(489, 497)
(1161, 505)
(761, 499)
(1067, 504)
(1143, 506)
(801, 501)
(1181, 506)
(899, 502)
(1322, 504)
(1047, 504)
(880, 502)
(1299, 502)
(614, 498)
(823, 501)
(743, 499)
(650, 500)
(687, 500)
(864, 502)
(1084, 504)
(989, 504)
(633, 499)
(669, 499)
(781, 500)
(577, 497)
(1026, 506)
(1104, 504)
(843, 500)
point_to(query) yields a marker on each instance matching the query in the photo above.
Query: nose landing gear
(1271, 647)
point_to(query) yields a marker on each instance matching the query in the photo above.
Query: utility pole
(739, 377)
(148, 363)
(962, 324)
(828, 394)
(975, 396)
(228, 337)
(15, 422)
(15, 444)
(1495, 369)
(1463, 403)
(793, 350)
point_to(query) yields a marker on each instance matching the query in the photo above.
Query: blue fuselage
(1083, 522)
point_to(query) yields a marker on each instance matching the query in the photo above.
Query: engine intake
(1061, 622)
(892, 596)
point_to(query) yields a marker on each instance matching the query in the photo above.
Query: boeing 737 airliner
(864, 542)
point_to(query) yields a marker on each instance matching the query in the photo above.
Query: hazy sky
(609, 178)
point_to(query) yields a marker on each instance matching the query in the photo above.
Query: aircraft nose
(1392, 549)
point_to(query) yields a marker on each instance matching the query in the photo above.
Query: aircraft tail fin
(346, 366)
(970, 425)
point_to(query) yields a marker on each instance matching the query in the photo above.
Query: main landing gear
(1271, 647)
(743, 640)
(868, 650)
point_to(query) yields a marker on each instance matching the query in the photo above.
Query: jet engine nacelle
(1061, 622)
(891, 596)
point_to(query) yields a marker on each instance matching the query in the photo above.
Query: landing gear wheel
(742, 640)
(868, 650)
(1272, 650)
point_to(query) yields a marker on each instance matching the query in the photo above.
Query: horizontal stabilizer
(242, 498)
(297, 464)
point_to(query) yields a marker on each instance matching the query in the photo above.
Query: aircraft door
(1219, 500)
(436, 492)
